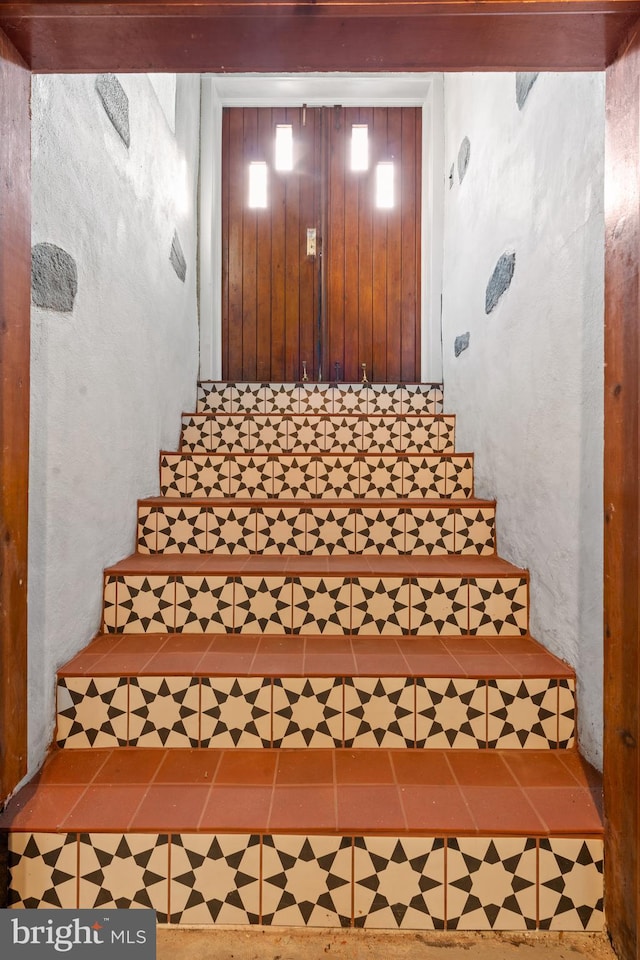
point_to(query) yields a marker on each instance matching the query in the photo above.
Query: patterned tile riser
(316, 712)
(425, 606)
(303, 476)
(274, 433)
(383, 882)
(325, 398)
(322, 531)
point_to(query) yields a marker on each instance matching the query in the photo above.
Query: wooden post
(15, 284)
(622, 499)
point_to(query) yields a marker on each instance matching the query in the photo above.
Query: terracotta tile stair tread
(322, 455)
(255, 655)
(440, 503)
(458, 565)
(428, 792)
(317, 414)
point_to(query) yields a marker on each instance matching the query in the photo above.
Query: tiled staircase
(315, 699)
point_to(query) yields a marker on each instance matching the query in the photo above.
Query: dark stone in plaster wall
(524, 83)
(463, 158)
(500, 280)
(461, 343)
(116, 103)
(54, 278)
(451, 175)
(176, 257)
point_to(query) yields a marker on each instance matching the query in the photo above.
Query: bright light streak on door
(257, 185)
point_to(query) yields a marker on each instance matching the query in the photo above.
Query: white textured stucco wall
(110, 378)
(528, 390)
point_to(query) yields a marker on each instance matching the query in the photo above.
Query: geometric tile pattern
(182, 530)
(314, 433)
(306, 881)
(384, 882)
(399, 884)
(214, 879)
(379, 712)
(491, 883)
(314, 475)
(164, 711)
(439, 606)
(522, 714)
(92, 712)
(314, 711)
(375, 398)
(475, 531)
(235, 712)
(566, 713)
(43, 868)
(204, 604)
(431, 531)
(307, 712)
(571, 872)
(451, 713)
(380, 606)
(498, 606)
(118, 871)
(426, 606)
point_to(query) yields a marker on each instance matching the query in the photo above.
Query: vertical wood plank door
(269, 284)
(358, 300)
(372, 253)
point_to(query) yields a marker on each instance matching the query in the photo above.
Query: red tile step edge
(371, 792)
(183, 654)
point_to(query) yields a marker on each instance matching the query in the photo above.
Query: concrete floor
(290, 944)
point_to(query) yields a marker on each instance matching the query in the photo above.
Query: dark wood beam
(15, 296)
(622, 501)
(358, 35)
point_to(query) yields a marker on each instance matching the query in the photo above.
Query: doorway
(321, 243)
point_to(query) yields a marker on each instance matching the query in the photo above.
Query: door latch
(311, 241)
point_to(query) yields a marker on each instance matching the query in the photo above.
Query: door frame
(200, 35)
(291, 90)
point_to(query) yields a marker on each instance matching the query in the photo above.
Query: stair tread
(359, 565)
(309, 656)
(362, 792)
(415, 503)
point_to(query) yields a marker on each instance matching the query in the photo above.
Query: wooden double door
(356, 299)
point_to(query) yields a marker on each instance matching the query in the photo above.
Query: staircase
(315, 699)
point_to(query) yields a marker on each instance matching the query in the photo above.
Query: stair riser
(262, 476)
(422, 882)
(317, 712)
(321, 531)
(376, 399)
(316, 605)
(273, 433)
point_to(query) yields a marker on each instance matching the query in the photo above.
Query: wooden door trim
(222, 91)
(622, 500)
(203, 35)
(15, 297)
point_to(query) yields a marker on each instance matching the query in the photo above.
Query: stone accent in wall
(463, 158)
(451, 175)
(461, 343)
(500, 280)
(116, 104)
(524, 83)
(54, 278)
(176, 257)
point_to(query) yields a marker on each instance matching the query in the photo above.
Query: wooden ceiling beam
(317, 35)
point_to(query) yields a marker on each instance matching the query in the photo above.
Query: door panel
(373, 255)
(270, 285)
(357, 302)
